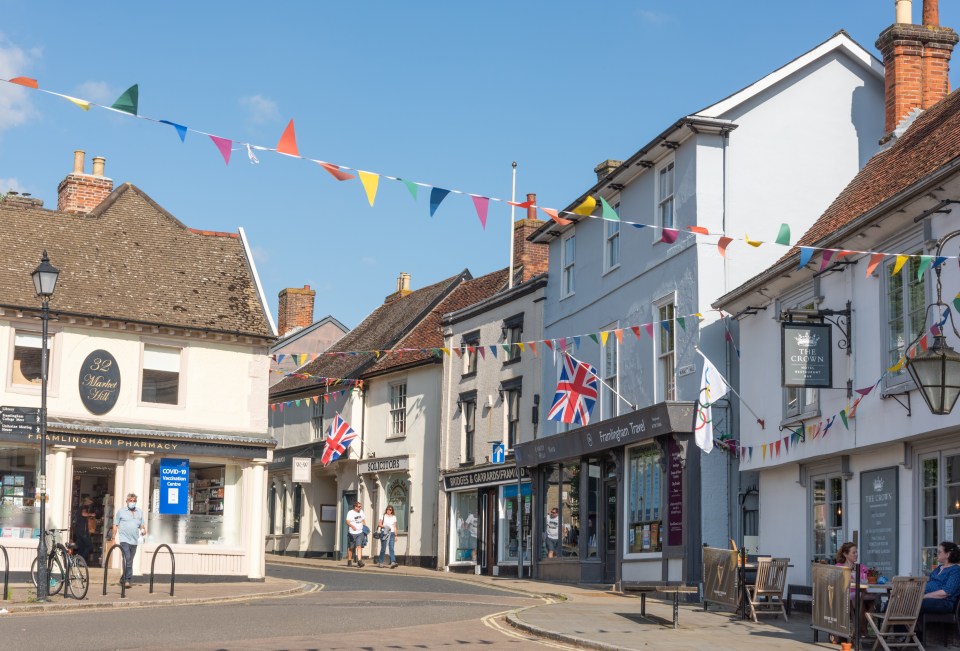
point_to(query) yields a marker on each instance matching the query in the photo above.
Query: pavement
(574, 615)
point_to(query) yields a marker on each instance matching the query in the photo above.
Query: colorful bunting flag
(437, 195)
(225, 147)
(181, 130)
(698, 229)
(608, 213)
(371, 182)
(586, 208)
(783, 237)
(25, 81)
(722, 245)
(288, 143)
(335, 171)
(825, 258)
(481, 204)
(806, 253)
(127, 102)
(412, 188)
(875, 259)
(555, 216)
(746, 238)
(669, 235)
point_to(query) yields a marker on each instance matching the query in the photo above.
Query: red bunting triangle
(336, 172)
(25, 81)
(636, 331)
(288, 142)
(556, 217)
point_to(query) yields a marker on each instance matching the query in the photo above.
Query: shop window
(211, 506)
(561, 508)
(161, 375)
(940, 504)
(19, 514)
(593, 506)
(645, 488)
(398, 496)
(297, 507)
(398, 409)
(509, 526)
(827, 504)
(464, 522)
(27, 349)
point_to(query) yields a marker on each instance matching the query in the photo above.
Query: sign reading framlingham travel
(806, 355)
(99, 382)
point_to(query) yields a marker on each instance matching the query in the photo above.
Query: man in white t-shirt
(355, 522)
(553, 533)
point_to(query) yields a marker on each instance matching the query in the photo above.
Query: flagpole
(513, 200)
(732, 390)
(600, 380)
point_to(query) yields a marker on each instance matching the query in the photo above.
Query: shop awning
(283, 457)
(641, 425)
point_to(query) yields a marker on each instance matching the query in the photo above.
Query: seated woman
(847, 556)
(943, 584)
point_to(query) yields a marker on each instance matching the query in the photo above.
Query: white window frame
(469, 407)
(181, 386)
(509, 395)
(611, 243)
(53, 350)
(397, 425)
(316, 419)
(470, 357)
(901, 381)
(926, 554)
(661, 359)
(609, 373)
(568, 277)
(513, 334)
(830, 507)
(662, 199)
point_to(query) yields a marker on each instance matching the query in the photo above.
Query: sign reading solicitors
(806, 355)
(384, 465)
(174, 480)
(99, 382)
(497, 475)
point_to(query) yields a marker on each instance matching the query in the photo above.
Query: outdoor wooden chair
(765, 597)
(896, 628)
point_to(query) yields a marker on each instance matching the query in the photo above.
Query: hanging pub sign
(99, 382)
(806, 355)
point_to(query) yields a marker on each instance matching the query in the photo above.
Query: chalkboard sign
(99, 382)
(879, 496)
(674, 496)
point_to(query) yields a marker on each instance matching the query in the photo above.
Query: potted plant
(873, 574)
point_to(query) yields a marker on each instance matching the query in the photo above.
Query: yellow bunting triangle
(586, 208)
(746, 238)
(446, 351)
(370, 183)
(896, 367)
(520, 345)
(603, 337)
(85, 105)
(901, 259)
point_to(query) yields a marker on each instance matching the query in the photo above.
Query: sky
(444, 93)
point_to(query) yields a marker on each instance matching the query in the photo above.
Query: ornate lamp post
(936, 371)
(44, 281)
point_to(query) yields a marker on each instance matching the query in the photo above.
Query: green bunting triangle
(411, 188)
(784, 236)
(608, 213)
(128, 101)
(925, 262)
(843, 417)
(594, 337)
(683, 322)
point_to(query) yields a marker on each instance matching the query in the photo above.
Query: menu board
(674, 496)
(879, 496)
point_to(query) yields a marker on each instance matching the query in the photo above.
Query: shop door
(487, 540)
(92, 509)
(349, 498)
(610, 532)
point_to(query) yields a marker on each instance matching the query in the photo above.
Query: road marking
(490, 621)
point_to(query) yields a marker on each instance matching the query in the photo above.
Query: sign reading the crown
(806, 355)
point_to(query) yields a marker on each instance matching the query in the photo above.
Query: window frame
(53, 367)
(316, 419)
(663, 391)
(182, 354)
(512, 335)
(397, 411)
(609, 403)
(901, 382)
(667, 166)
(468, 412)
(568, 267)
(470, 363)
(611, 242)
(512, 390)
(831, 548)
(942, 507)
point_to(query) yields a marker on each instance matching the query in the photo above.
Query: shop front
(619, 499)
(488, 520)
(201, 493)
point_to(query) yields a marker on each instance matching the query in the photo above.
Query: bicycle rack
(6, 571)
(106, 571)
(173, 566)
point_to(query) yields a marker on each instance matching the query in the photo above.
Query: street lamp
(936, 371)
(44, 281)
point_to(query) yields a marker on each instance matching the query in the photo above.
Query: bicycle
(64, 566)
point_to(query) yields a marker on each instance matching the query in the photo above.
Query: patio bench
(645, 588)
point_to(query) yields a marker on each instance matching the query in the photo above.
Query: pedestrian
(81, 528)
(553, 532)
(388, 535)
(128, 530)
(355, 542)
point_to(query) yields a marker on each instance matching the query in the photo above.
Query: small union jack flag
(339, 437)
(576, 392)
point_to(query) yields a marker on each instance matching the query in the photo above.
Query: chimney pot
(931, 13)
(78, 157)
(295, 309)
(403, 282)
(98, 163)
(606, 168)
(532, 209)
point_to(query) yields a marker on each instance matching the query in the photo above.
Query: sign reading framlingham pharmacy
(806, 355)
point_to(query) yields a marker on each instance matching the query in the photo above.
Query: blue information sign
(499, 453)
(174, 482)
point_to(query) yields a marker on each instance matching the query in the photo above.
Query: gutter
(248, 254)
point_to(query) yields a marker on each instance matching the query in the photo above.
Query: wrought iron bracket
(896, 396)
(842, 319)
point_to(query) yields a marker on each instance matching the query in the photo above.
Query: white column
(136, 479)
(59, 487)
(254, 502)
(232, 505)
(307, 517)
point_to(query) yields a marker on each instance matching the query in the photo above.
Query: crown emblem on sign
(807, 339)
(878, 484)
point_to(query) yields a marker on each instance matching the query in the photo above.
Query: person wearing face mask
(130, 527)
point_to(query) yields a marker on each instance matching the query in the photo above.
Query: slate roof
(428, 333)
(381, 330)
(930, 144)
(131, 260)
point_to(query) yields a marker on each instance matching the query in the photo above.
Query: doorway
(610, 531)
(92, 508)
(347, 502)
(487, 540)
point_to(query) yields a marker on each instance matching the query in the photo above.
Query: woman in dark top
(943, 584)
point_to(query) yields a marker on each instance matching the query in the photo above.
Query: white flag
(712, 388)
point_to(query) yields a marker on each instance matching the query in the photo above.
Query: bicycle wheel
(79, 577)
(56, 569)
(33, 571)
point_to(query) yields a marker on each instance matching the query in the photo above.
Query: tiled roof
(428, 334)
(131, 260)
(379, 331)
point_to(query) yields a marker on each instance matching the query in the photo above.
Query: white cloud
(654, 17)
(10, 184)
(260, 109)
(98, 92)
(16, 105)
(260, 255)
(367, 260)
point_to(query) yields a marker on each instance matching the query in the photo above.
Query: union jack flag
(339, 437)
(576, 392)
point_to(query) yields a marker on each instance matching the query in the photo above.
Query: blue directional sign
(499, 453)
(174, 483)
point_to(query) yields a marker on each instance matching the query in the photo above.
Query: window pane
(570, 511)
(644, 490)
(550, 545)
(160, 387)
(398, 497)
(161, 358)
(465, 517)
(26, 365)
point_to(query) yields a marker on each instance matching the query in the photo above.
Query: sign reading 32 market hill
(99, 382)
(806, 355)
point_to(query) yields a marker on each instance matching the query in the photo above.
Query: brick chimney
(296, 309)
(529, 258)
(403, 287)
(81, 193)
(606, 168)
(916, 61)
